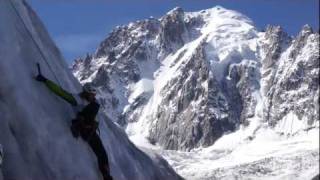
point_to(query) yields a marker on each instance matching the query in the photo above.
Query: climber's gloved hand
(40, 78)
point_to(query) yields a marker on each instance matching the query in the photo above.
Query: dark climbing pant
(96, 145)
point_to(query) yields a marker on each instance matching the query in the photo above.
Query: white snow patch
(143, 142)
(142, 86)
(245, 146)
(291, 124)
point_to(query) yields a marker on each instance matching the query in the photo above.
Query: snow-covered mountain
(34, 131)
(185, 80)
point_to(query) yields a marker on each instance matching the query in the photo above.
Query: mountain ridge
(231, 49)
(215, 96)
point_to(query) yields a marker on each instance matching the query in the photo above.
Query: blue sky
(78, 26)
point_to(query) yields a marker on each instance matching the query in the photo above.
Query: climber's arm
(57, 90)
(61, 92)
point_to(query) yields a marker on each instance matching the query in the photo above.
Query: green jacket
(61, 92)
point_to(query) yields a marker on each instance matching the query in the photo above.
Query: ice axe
(39, 70)
(39, 77)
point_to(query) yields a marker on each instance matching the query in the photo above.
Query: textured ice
(34, 130)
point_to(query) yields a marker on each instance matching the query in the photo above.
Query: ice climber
(84, 124)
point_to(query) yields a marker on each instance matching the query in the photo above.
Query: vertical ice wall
(34, 123)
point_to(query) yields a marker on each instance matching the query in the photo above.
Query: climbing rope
(34, 41)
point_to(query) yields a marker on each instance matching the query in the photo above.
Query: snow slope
(34, 130)
(239, 155)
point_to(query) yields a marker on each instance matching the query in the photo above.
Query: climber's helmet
(88, 88)
(88, 92)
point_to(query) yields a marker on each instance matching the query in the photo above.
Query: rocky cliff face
(132, 53)
(291, 75)
(184, 80)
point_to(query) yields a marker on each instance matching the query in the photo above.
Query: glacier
(34, 131)
(215, 96)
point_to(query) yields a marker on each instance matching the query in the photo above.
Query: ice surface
(35, 123)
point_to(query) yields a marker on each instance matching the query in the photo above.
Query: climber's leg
(97, 147)
(75, 128)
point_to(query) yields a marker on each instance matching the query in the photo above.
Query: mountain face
(184, 80)
(34, 131)
(290, 75)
